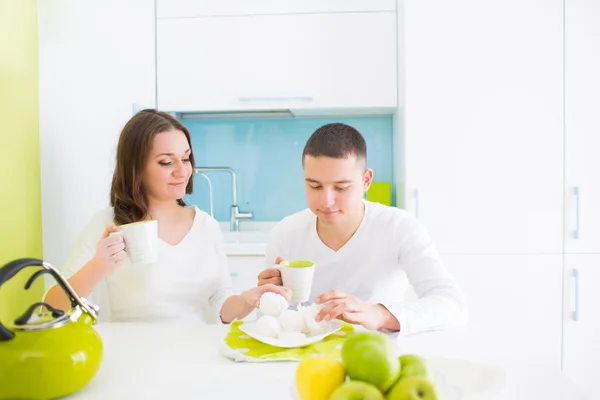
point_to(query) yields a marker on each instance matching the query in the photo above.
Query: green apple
(413, 388)
(356, 390)
(412, 365)
(370, 357)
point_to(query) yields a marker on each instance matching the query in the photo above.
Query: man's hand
(271, 275)
(355, 311)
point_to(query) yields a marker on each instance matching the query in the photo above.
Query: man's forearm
(388, 321)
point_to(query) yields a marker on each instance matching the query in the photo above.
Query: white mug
(298, 276)
(141, 240)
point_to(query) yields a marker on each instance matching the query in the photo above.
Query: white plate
(249, 329)
(456, 379)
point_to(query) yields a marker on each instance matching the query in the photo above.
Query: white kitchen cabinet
(514, 301)
(244, 270)
(298, 62)
(581, 341)
(199, 8)
(483, 136)
(582, 126)
(96, 62)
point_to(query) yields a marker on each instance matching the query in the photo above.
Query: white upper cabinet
(483, 124)
(582, 126)
(96, 66)
(302, 61)
(200, 8)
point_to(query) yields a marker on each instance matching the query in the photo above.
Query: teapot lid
(53, 318)
(31, 320)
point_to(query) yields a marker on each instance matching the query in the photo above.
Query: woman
(190, 280)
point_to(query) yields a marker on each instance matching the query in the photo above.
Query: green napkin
(240, 347)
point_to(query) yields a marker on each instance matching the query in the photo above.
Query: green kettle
(48, 354)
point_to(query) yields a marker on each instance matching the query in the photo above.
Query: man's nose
(327, 198)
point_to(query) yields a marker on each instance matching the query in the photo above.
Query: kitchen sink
(246, 236)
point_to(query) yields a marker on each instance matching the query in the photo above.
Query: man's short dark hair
(336, 140)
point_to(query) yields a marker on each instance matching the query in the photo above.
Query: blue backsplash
(266, 156)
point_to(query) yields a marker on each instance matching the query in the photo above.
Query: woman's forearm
(235, 307)
(83, 282)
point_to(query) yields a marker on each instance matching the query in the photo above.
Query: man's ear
(367, 179)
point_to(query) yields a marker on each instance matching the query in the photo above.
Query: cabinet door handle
(276, 98)
(575, 314)
(417, 202)
(576, 202)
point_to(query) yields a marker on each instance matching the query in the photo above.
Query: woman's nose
(180, 170)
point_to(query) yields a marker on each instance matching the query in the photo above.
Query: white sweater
(390, 250)
(189, 282)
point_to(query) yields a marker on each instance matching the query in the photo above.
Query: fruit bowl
(456, 379)
(249, 329)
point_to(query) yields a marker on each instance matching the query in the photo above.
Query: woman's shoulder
(92, 230)
(107, 214)
(102, 218)
(204, 220)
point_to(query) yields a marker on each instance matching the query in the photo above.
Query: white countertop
(250, 241)
(245, 249)
(152, 361)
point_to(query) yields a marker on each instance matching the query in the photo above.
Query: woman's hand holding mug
(110, 249)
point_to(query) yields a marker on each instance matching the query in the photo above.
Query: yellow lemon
(318, 377)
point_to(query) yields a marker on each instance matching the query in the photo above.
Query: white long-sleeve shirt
(389, 250)
(189, 282)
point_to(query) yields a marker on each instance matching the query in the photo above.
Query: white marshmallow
(315, 308)
(268, 326)
(291, 321)
(272, 304)
(311, 326)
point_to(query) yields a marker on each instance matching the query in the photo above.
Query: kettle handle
(12, 268)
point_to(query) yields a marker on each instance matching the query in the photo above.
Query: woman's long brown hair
(127, 192)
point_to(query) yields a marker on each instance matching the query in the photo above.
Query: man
(363, 251)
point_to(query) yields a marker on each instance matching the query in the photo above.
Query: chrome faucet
(210, 192)
(236, 214)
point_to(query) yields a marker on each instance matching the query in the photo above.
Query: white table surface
(163, 361)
